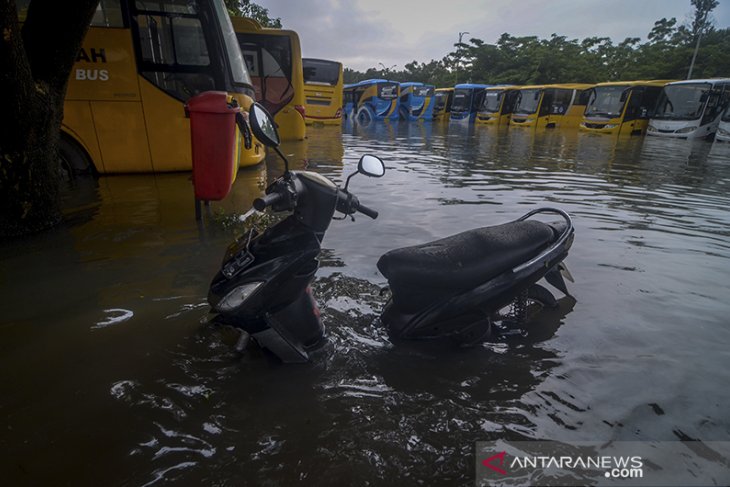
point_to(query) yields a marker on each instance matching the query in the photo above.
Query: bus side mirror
(703, 97)
(624, 95)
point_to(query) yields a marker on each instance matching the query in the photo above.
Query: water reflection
(104, 338)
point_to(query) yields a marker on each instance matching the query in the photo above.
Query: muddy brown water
(111, 375)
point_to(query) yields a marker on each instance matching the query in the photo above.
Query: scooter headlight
(238, 296)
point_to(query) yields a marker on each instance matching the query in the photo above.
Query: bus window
(108, 14)
(172, 47)
(582, 97)
(561, 101)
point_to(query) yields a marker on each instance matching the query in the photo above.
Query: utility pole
(694, 56)
(458, 61)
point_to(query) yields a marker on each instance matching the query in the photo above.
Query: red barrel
(213, 138)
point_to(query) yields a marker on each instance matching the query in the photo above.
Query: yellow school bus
(323, 82)
(497, 106)
(550, 106)
(140, 62)
(621, 107)
(274, 61)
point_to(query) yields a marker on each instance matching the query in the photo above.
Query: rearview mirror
(263, 126)
(372, 166)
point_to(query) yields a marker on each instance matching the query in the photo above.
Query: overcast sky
(364, 33)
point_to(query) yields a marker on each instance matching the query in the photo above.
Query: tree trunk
(35, 64)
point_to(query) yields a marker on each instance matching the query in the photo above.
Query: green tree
(34, 74)
(246, 8)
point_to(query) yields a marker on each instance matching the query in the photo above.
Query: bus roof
(571, 86)
(411, 83)
(653, 82)
(531, 87)
(471, 85)
(503, 87)
(711, 81)
(373, 81)
(244, 25)
(445, 89)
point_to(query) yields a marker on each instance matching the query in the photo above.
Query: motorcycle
(457, 287)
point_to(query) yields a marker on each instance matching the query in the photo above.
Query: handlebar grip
(261, 203)
(367, 211)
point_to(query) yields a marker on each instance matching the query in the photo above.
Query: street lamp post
(458, 60)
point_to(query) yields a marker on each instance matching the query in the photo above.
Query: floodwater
(111, 375)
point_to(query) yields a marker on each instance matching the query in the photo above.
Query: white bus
(723, 130)
(690, 109)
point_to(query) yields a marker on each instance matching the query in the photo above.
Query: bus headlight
(651, 128)
(236, 298)
(610, 126)
(686, 130)
(723, 132)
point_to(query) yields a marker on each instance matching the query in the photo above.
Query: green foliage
(246, 8)
(666, 54)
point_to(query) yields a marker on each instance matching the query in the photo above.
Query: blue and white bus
(375, 99)
(467, 99)
(690, 109)
(416, 101)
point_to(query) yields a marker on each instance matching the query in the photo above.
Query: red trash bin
(213, 138)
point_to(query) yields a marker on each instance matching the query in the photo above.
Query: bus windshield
(321, 72)
(607, 101)
(441, 99)
(233, 51)
(527, 102)
(682, 102)
(462, 100)
(492, 101)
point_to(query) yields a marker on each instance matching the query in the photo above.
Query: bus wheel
(73, 161)
(363, 116)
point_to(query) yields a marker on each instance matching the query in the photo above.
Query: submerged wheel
(364, 116)
(73, 160)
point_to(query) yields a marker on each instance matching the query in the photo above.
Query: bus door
(640, 107)
(717, 100)
(172, 57)
(577, 107)
(103, 105)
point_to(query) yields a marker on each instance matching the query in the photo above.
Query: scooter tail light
(238, 296)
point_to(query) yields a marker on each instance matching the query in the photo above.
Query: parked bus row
(142, 60)
(682, 109)
(686, 109)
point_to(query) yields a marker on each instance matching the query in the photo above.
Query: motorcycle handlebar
(261, 203)
(367, 211)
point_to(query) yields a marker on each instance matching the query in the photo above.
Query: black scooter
(455, 287)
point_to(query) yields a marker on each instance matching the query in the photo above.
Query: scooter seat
(465, 260)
